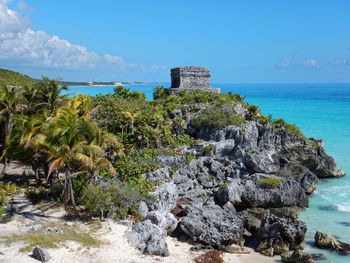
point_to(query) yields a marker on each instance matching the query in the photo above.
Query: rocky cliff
(243, 182)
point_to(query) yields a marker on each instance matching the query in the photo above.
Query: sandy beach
(114, 245)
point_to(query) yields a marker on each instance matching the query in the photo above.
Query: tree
(73, 148)
(9, 105)
(49, 91)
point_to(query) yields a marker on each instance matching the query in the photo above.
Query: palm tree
(49, 92)
(71, 140)
(9, 105)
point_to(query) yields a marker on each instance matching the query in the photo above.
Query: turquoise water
(94, 90)
(323, 112)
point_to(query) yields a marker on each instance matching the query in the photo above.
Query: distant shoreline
(112, 85)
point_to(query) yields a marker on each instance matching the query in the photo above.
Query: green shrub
(269, 182)
(208, 149)
(8, 188)
(253, 109)
(37, 195)
(114, 198)
(289, 127)
(216, 118)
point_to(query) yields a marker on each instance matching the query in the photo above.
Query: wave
(344, 207)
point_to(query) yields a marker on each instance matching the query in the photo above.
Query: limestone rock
(41, 254)
(280, 234)
(149, 238)
(323, 240)
(297, 257)
(212, 226)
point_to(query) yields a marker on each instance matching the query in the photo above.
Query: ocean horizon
(322, 111)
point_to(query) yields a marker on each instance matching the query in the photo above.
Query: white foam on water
(344, 207)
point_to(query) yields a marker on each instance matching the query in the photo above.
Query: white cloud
(20, 45)
(311, 63)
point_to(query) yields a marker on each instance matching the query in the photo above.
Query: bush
(289, 127)
(216, 119)
(8, 188)
(112, 199)
(269, 182)
(40, 194)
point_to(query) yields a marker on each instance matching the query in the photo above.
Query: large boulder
(323, 240)
(281, 234)
(149, 238)
(41, 254)
(297, 257)
(263, 190)
(211, 225)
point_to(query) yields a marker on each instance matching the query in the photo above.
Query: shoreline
(124, 84)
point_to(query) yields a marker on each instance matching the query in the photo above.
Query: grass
(54, 240)
(269, 182)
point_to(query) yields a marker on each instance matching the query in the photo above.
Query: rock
(267, 252)
(254, 192)
(212, 226)
(34, 227)
(318, 256)
(280, 233)
(163, 198)
(163, 220)
(143, 209)
(149, 238)
(159, 175)
(171, 161)
(297, 257)
(234, 249)
(41, 254)
(308, 182)
(176, 113)
(323, 240)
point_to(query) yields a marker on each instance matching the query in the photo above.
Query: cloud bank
(20, 45)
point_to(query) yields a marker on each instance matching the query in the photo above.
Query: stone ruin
(190, 78)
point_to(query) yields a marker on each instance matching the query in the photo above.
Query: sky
(250, 41)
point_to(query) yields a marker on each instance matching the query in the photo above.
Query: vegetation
(6, 190)
(216, 118)
(52, 239)
(114, 199)
(76, 145)
(269, 182)
(289, 127)
(9, 77)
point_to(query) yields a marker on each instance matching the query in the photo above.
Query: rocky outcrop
(323, 240)
(243, 182)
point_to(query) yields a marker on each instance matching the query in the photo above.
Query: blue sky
(239, 41)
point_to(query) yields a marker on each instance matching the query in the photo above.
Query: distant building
(91, 83)
(118, 83)
(190, 78)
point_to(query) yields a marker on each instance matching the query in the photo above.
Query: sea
(322, 111)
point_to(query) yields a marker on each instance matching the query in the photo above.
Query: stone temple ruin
(190, 78)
